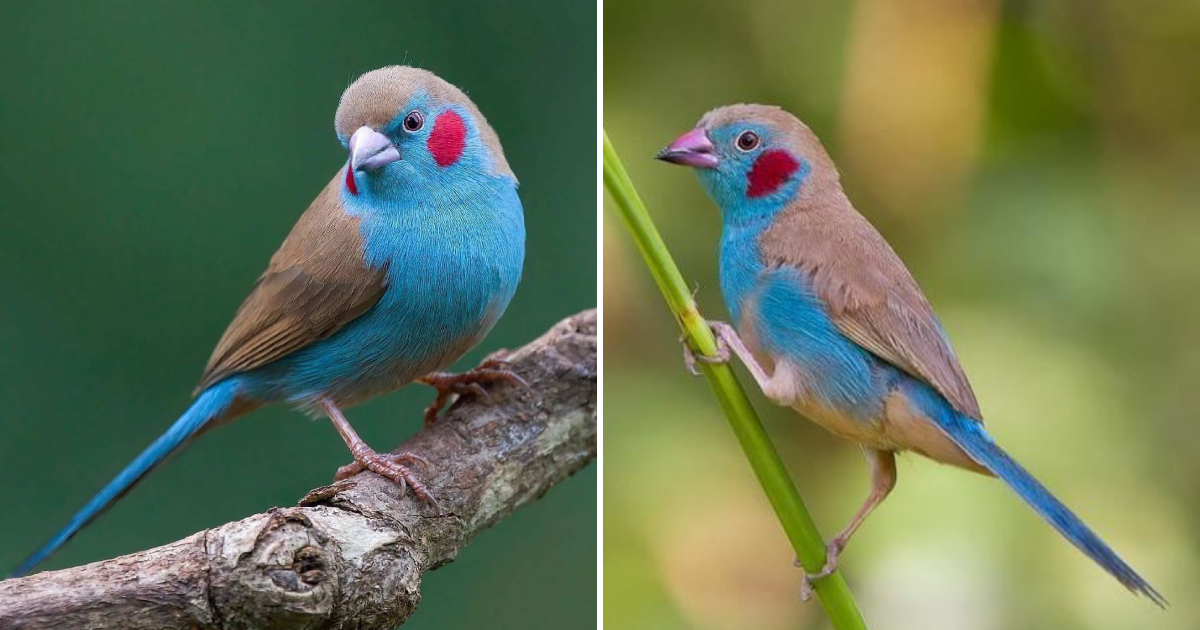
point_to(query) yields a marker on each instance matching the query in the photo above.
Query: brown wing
(872, 297)
(316, 283)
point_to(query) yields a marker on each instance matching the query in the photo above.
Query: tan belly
(898, 427)
(910, 430)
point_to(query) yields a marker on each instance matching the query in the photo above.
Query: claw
(806, 588)
(690, 358)
(833, 551)
(509, 375)
(469, 383)
(412, 458)
(476, 389)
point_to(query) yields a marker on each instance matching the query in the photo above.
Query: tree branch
(351, 555)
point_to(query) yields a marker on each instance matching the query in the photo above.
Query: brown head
(409, 117)
(754, 155)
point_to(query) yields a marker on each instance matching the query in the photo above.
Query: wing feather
(871, 296)
(316, 283)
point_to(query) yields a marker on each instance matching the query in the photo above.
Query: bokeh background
(1035, 164)
(152, 157)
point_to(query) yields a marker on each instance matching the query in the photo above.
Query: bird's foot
(690, 358)
(469, 383)
(390, 466)
(403, 457)
(832, 551)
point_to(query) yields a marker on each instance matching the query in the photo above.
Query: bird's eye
(414, 121)
(747, 141)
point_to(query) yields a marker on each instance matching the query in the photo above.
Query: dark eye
(747, 141)
(414, 121)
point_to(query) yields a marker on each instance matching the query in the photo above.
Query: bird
(405, 260)
(829, 321)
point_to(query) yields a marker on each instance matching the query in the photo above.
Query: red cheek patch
(350, 185)
(769, 172)
(447, 139)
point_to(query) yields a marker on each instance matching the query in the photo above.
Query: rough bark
(351, 555)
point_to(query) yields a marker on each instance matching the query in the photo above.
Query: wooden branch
(351, 555)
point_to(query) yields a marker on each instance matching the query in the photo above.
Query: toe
(347, 471)
(477, 390)
(411, 458)
(806, 588)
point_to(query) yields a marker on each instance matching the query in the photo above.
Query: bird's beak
(691, 149)
(370, 150)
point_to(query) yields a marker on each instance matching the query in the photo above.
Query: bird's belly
(419, 326)
(866, 432)
(893, 422)
(908, 425)
(837, 384)
(396, 348)
(846, 398)
(817, 372)
(801, 389)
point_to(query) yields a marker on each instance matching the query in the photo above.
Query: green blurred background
(1035, 164)
(154, 156)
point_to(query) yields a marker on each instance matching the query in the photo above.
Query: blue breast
(453, 263)
(793, 323)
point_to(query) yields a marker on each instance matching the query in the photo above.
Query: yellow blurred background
(1035, 164)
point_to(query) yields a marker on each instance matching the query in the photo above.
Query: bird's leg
(469, 382)
(727, 341)
(883, 479)
(727, 335)
(388, 466)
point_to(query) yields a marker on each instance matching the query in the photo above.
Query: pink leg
(728, 340)
(728, 336)
(388, 466)
(469, 382)
(883, 479)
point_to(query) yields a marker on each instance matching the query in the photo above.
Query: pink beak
(691, 149)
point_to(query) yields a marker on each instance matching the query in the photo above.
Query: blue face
(440, 151)
(409, 131)
(756, 175)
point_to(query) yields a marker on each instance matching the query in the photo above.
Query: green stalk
(764, 459)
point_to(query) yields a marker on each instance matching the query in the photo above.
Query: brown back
(316, 283)
(872, 297)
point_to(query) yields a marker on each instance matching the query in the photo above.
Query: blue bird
(830, 322)
(404, 262)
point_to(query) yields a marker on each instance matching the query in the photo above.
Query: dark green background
(153, 157)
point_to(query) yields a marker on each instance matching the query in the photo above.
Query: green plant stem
(764, 459)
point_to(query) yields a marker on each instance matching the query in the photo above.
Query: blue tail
(211, 403)
(970, 435)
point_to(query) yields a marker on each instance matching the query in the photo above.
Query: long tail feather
(973, 439)
(210, 404)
